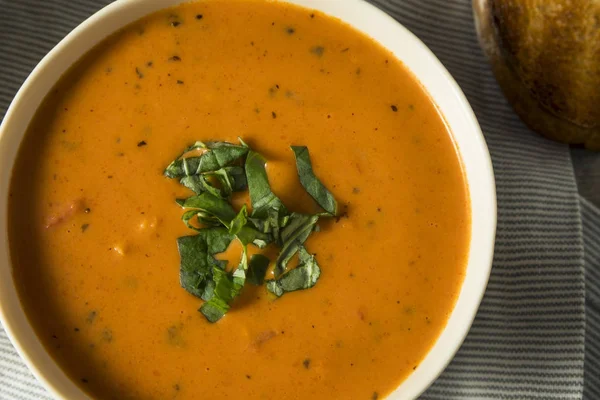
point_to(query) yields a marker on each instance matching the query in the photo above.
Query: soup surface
(93, 222)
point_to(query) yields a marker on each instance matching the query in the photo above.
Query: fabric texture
(587, 172)
(591, 234)
(528, 338)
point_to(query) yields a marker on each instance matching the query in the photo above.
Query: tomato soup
(94, 224)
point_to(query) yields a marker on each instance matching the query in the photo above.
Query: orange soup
(94, 222)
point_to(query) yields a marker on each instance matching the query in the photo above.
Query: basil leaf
(261, 196)
(209, 290)
(207, 219)
(293, 236)
(187, 217)
(240, 273)
(203, 218)
(245, 232)
(194, 183)
(257, 269)
(242, 142)
(240, 220)
(200, 184)
(304, 276)
(231, 179)
(217, 156)
(211, 206)
(214, 309)
(248, 235)
(222, 177)
(220, 183)
(271, 224)
(227, 287)
(311, 183)
(236, 177)
(298, 227)
(197, 261)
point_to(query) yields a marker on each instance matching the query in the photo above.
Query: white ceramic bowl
(366, 18)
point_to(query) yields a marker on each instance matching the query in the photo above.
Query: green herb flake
(293, 236)
(226, 288)
(211, 206)
(317, 50)
(257, 269)
(197, 259)
(240, 220)
(261, 196)
(311, 183)
(217, 155)
(304, 276)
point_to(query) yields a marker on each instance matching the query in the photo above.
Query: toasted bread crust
(545, 55)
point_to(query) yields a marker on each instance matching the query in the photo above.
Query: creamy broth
(93, 222)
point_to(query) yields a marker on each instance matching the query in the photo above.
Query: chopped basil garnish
(304, 276)
(213, 171)
(216, 156)
(197, 258)
(293, 236)
(311, 183)
(262, 198)
(227, 287)
(211, 206)
(257, 269)
(220, 183)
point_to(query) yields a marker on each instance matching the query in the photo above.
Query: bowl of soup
(336, 192)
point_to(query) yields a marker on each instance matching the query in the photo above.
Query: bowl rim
(443, 91)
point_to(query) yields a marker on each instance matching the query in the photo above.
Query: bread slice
(545, 55)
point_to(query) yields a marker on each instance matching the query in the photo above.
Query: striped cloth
(528, 339)
(591, 239)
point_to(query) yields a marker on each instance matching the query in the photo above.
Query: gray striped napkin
(591, 240)
(528, 339)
